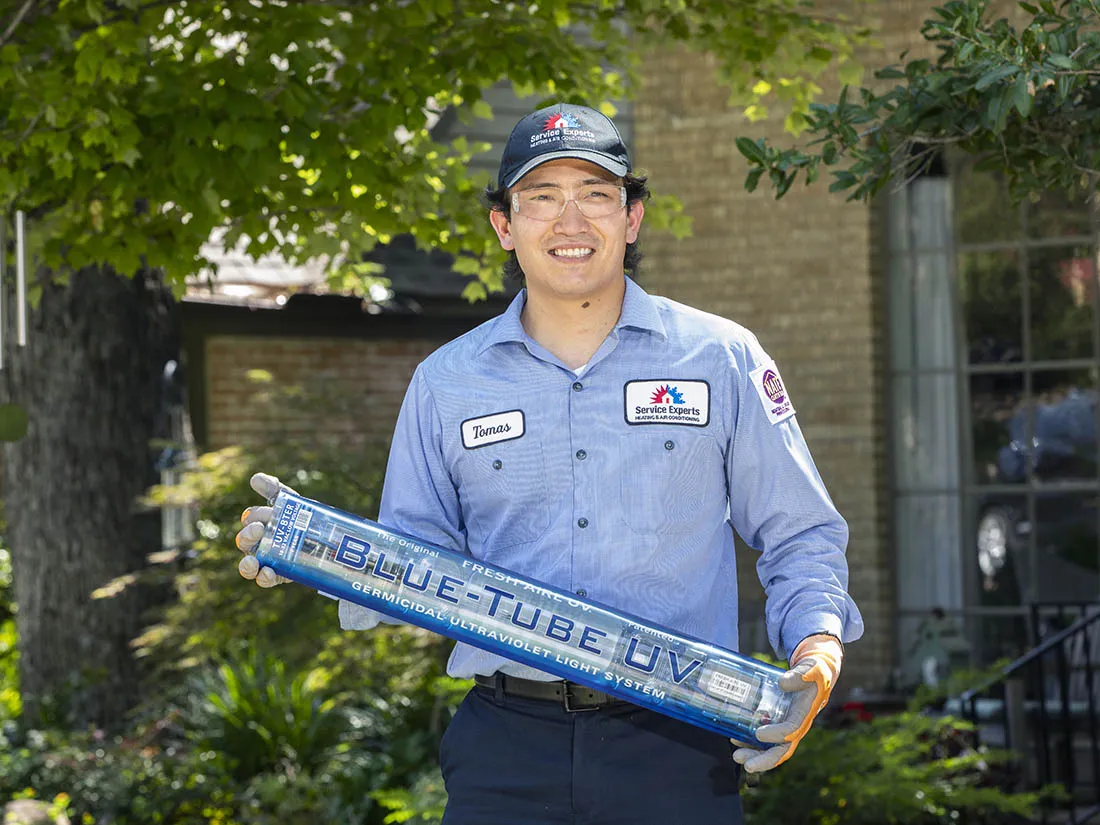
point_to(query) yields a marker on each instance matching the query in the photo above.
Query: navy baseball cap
(562, 131)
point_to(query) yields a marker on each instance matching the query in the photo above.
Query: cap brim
(603, 161)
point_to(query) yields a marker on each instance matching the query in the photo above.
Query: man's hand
(255, 520)
(815, 665)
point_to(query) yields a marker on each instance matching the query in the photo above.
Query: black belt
(569, 695)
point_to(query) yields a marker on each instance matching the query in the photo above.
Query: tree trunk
(90, 380)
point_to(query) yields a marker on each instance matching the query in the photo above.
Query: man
(638, 432)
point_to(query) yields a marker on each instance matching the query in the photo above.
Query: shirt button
(581, 455)
(498, 464)
(670, 445)
(577, 386)
(582, 592)
(582, 523)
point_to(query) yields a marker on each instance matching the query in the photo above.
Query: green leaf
(474, 291)
(1000, 73)
(751, 149)
(850, 73)
(752, 179)
(1062, 61)
(997, 110)
(482, 110)
(1021, 95)
(466, 265)
(842, 180)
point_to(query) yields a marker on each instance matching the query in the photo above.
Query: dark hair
(498, 200)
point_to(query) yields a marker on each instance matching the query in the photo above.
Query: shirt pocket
(671, 477)
(503, 493)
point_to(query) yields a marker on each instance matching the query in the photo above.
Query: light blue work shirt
(625, 483)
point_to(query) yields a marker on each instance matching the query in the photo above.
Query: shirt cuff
(357, 617)
(810, 624)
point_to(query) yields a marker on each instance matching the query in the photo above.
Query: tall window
(1030, 332)
(995, 340)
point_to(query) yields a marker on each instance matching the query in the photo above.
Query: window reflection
(995, 398)
(1062, 284)
(1047, 437)
(1063, 426)
(1000, 546)
(1066, 558)
(1056, 214)
(983, 210)
(989, 289)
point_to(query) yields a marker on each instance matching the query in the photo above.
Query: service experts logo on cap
(563, 131)
(559, 120)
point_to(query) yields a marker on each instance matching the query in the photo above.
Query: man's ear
(503, 228)
(634, 220)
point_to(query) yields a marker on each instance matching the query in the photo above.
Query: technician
(607, 442)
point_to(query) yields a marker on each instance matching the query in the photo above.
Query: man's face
(571, 256)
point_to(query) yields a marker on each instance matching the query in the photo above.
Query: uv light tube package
(549, 629)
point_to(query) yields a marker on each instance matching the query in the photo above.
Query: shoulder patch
(772, 392)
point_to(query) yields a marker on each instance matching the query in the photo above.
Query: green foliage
(249, 712)
(10, 702)
(421, 802)
(134, 130)
(141, 778)
(908, 769)
(247, 742)
(298, 715)
(309, 426)
(1024, 99)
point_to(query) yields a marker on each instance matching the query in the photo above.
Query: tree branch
(19, 15)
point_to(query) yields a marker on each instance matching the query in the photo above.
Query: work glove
(815, 665)
(255, 521)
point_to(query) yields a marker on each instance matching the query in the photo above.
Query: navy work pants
(508, 760)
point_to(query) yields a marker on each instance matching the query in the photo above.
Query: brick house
(872, 312)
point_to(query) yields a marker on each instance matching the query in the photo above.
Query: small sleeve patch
(773, 393)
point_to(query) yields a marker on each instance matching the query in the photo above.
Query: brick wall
(804, 274)
(378, 370)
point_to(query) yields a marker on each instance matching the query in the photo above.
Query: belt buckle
(567, 695)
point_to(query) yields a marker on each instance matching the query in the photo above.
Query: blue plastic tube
(549, 629)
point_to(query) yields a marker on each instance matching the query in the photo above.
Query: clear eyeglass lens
(597, 201)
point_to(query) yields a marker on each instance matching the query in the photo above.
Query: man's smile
(573, 252)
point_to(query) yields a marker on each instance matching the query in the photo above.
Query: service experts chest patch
(667, 401)
(772, 392)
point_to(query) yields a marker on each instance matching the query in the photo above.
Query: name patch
(667, 401)
(492, 429)
(773, 393)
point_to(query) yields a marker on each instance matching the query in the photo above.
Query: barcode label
(302, 521)
(729, 688)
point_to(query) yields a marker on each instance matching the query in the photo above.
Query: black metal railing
(1044, 706)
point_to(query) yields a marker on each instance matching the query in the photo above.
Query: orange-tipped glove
(255, 521)
(815, 665)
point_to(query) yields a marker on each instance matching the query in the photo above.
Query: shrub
(909, 768)
(252, 714)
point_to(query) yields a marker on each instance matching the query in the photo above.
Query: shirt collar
(638, 312)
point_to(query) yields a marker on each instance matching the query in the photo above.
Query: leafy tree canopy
(131, 129)
(1023, 96)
